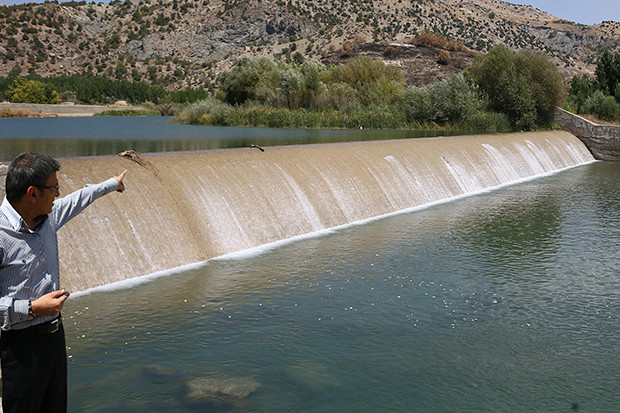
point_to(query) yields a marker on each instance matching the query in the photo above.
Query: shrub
(240, 84)
(206, 112)
(32, 91)
(525, 86)
(487, 122)
(601, 105)
(371, 80)
(444, 57)
(448, 100)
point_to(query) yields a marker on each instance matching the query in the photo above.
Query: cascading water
(183, 208)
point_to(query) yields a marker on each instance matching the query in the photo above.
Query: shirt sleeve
(71, 205)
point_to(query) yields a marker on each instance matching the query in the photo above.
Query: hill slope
(183, 43)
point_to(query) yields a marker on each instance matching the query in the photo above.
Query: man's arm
(68, 207)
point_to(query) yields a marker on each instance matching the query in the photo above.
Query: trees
(242, 82)
(448, 100)
(525, 86)
(599, 96)
(32, 91)
(608, 72)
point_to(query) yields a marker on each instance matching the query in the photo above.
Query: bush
(208, 112)
(129, 112)
(601, 105)
(487, 122)
(241, 83)
(444, 57)
(32, 91)
(371, 80)
(524, 86)
(448, 100)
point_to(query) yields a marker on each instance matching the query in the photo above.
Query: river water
(92, 136)
(502, 301)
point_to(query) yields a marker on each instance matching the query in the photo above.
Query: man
(32, 342)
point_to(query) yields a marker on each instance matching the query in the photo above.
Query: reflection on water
(92, 136)
(506, 301)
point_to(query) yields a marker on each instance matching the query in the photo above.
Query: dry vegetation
(186, 43)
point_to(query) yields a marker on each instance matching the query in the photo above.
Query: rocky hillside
(183, 43)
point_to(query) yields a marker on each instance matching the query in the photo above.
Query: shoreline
(62, 110)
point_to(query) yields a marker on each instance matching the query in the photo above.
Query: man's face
(47, 194)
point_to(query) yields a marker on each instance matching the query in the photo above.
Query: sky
(578, 11)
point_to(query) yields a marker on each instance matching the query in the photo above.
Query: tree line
(598, 96)
(90, 89)
(501, 91)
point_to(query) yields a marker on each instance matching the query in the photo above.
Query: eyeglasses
(55, 188)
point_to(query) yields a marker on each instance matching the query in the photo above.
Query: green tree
(524, 86)
(608, 72)
(581, 87)
(32, 91)
(241, 82)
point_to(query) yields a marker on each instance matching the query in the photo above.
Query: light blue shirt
(29, 258)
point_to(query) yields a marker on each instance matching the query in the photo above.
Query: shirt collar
(14, 218)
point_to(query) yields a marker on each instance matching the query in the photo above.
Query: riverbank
(60, 110)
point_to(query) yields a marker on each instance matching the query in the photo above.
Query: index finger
(122, 175)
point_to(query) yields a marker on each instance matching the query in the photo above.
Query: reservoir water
(93, 136)
(503, 301)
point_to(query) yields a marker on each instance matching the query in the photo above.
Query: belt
(43, 328)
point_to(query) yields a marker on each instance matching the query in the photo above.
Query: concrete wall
(603, 141)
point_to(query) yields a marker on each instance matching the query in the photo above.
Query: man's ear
(31, 194)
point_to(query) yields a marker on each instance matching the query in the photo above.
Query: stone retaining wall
(603, 141)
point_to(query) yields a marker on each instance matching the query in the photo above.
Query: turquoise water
(89, 136)
(507, 301)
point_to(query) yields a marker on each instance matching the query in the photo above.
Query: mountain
(183, 43)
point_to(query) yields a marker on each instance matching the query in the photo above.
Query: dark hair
(28, 169)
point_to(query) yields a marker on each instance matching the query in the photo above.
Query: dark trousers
(34, 372)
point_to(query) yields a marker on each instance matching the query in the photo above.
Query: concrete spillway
(182, 208)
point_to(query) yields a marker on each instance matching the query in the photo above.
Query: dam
(189, 207)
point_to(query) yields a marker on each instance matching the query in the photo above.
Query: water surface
(504, 301)
(89, 136)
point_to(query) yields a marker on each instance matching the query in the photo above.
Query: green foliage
(32, 91)
(373, 81)
(581, 87)
(89, 89)
(487, 122)
(601, 105)
(601, 96)
(241, 83)
(208, 112)
(608, 72)
(449, 100)
(524, 86)
(129, 112)
(311, 85)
